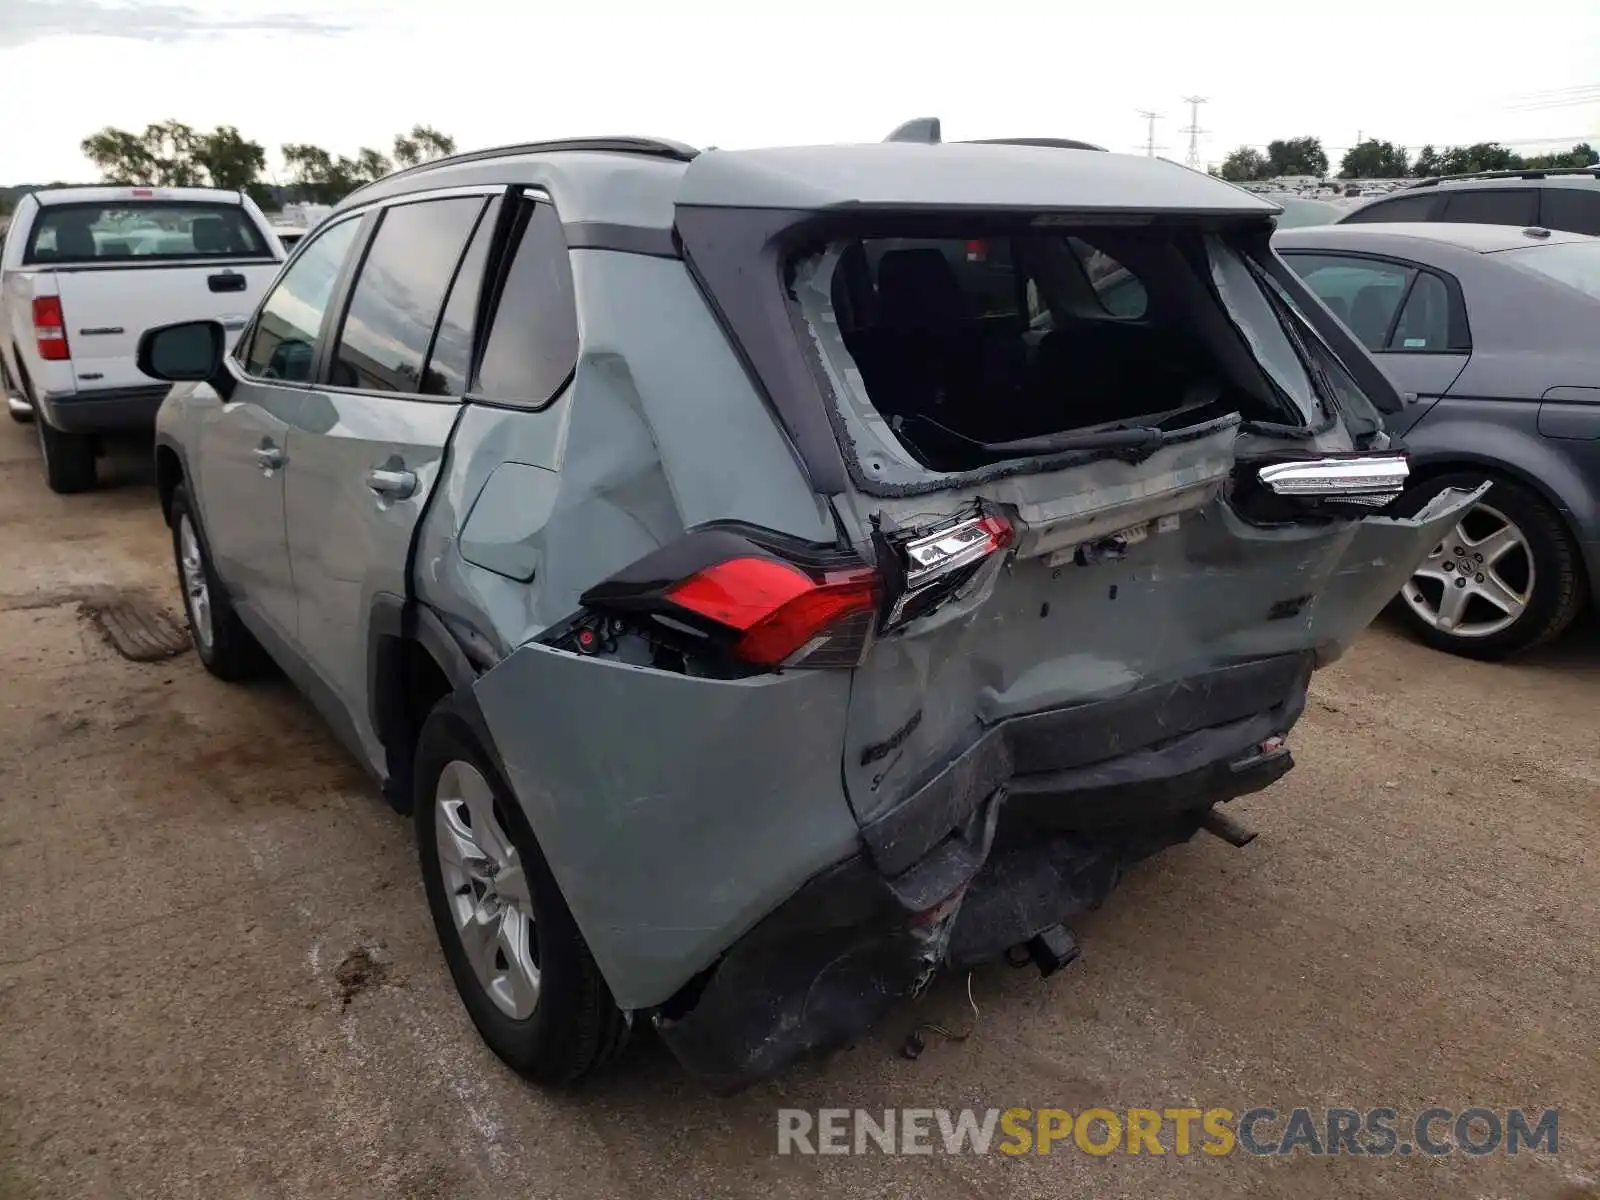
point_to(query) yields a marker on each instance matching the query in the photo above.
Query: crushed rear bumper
(1034, 824)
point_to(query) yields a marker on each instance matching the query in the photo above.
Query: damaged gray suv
(771, 577)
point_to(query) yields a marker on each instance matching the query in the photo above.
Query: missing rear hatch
(971, 351)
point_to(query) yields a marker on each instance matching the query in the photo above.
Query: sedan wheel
(1479, 580)
(1506, 578)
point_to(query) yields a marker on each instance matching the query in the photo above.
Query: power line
(1192, 160)
(1151, 118)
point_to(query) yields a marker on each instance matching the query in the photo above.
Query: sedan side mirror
(187, 352)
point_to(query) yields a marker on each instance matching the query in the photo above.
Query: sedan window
(1362, 293)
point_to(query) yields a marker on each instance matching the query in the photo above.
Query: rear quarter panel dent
(674, 811)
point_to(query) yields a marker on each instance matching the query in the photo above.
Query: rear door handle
(226, 281)
(269, 458)
(394, 483)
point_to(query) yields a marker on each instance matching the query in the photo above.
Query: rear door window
(143, 231)
(1116, 289)
(1363, 293)
(532, 346)
(1402, 208)
(1424, 323)
(399, 295)
(1571, 209)
(283, 344)
(450, 360)
(1496, 206)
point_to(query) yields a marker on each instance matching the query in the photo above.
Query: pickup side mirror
(187, 352)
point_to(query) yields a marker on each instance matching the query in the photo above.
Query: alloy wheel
(1478, 581)
(487, 890)
(196, 591)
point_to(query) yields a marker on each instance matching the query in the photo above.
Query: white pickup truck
(83, 272)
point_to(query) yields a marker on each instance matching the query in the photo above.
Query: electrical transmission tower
(1151, 118)
(1194, 131)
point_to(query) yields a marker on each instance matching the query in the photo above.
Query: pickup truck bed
(84, 272)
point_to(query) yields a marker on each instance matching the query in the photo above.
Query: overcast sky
(347, 73)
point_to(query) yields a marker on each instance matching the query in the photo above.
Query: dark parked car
(1490, 334)
(1561, 198)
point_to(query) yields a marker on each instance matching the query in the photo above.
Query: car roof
(1575, 178)
(1478, 239)
(957, 175)
(639, 181)
(103, 194)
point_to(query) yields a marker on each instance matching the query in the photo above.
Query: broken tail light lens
(749, 595)
(783, 616)
(934, 563)
(50, 329)
(1340, 486)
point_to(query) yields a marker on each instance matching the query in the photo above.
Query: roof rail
(648, 147)
(1524, 173)
(919, 129)
(1056, 143)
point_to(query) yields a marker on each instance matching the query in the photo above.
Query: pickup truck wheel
(520, 965)
(226, 647)
(68, 458)
(1505, 579)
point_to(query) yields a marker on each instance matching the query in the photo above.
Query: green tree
(1244, 164)
(422, 144)
(325, 178)
(1373, 159)
(1581, 155)
(229, 160)
(171, 154)
(1480, 156)
(1429, 162)
(1297, 156)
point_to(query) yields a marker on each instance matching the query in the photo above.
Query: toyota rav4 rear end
(1102, 485)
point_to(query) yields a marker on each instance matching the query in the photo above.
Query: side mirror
(187, 352)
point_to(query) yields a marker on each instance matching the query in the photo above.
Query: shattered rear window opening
(951, 354)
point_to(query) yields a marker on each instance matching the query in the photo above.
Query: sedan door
(1410, 317)
(238, 464)
(366, 455)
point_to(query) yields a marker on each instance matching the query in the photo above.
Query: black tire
(1560, 587)
(575, 1027)
(231, 652)
(68, 458)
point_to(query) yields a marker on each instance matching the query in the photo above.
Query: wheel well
(409, 684)
(169, 474)
(1505, 474)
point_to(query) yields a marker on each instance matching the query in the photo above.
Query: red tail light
(782, 614)
(747, 597)
(50, 329)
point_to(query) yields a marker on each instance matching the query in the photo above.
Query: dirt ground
(218, 977)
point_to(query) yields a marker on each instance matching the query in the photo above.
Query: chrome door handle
(268, 458)
(392, 482)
